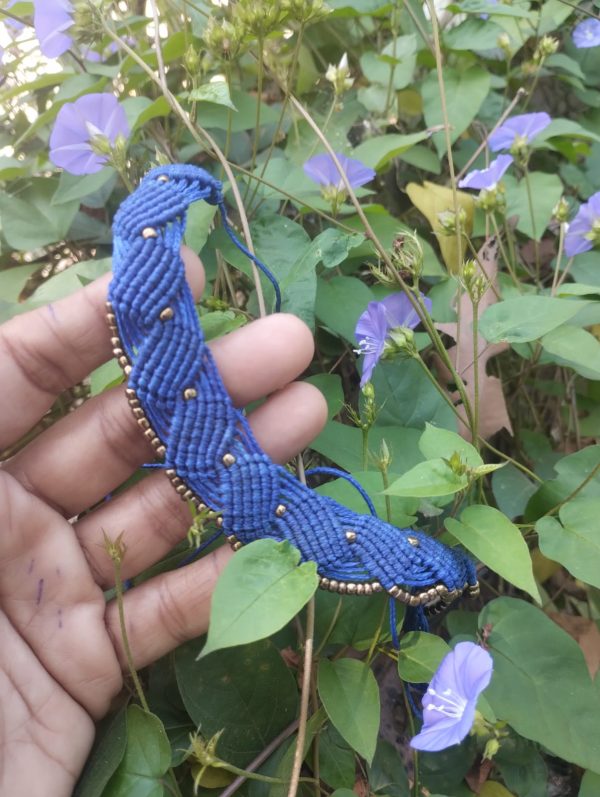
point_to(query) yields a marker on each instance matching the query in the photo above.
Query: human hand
(61, 656)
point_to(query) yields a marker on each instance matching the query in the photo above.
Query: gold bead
(228, 460)
(149, 232)
(236, 546)
(130, 393)
(368, 589)
(162, 178)
(127, 370)
(474, 590)
(161, 451)
(414, 600)
(144, 423)
(181, 488)
(115, 341)
(280, 511)
(413, 541)
(351, 536)
(360, 589)
(219, 521)
(334, 585)
(149, 434)
(324, 584)
(351, 588)
(190, 393)
(166, 314)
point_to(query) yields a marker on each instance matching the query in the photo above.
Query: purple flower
(587, 33)
(323, 171)
(584, 231)
(451, 697)
(9, 21)
(51, 20)
(518, 130)
(77, 123)
(374, 325)
(487, 178)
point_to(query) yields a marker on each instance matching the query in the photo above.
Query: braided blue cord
(207, 442)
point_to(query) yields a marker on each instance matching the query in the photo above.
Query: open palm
(61, 654)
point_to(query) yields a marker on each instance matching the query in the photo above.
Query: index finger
(54, 347)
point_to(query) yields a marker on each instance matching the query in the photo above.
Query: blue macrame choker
(206, 445)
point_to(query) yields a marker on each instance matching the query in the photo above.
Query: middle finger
(90, 452)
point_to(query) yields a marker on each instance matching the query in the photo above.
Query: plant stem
(444, 108)
(536, 243)
(561, 243)
(503, 252)
(475, 427)
(259, 87)
(304, 697)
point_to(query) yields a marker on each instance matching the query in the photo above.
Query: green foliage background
(532, 523)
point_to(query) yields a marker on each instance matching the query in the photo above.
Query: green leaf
(332, 246)
(340, 302)
(541, 685)
(337, 761)
(526, 318)
(105, 376)
(406, 397)
(67, 282)
(30, 221)
(498, 543)
(147, 758)
(576, 471)
(546, 190)
(281, 244)
(332, 389)
(261, 589)
(436, 442)
(512, 489)
(387, 773)
(200, 217)
(377, 152)
(395, 63)
(72, 187)
(427, 479)
(481, 34)
(420, 655)
(106, 755)
(590, 784)
(249, 692)
(344, 445)
(575, 348)
(350, 695)
(211, 114)
(465, 92)
(575, 543)
(220, 322)
(217, 93)
(522, 767)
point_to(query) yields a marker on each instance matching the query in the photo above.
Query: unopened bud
(492, 200)
(385, 458)
(546, 46)
(561, 210)
(491, 748)
(339, 76)
(456, 464)
(407, 254)
(400, 340)
(504, 44)
(449, 221)
(304, 10)
(191, 59)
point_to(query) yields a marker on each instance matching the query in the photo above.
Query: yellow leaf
(543, 567)
(410, 102)
(493, 789)
(431, 200)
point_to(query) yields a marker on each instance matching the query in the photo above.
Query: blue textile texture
(206, 445)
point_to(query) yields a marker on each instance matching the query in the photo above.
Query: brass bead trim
(281, 510)
(413, 541)
(166, 314)
(350, 587)
(162, 178)
(190, 393)
(149, 232)
(228, 460)
(351, 536)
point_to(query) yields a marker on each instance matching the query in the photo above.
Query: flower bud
(594, 234)
(473, 280)
(546, 46)
(561, 210)
(505, 45)
(191, 59)
(448, 221)
(87, 21)
(492, 200)
(222, 39)
(491, 748)
(456, 464)
(400, 340)
(304, 11)
(407, 254)
(385, 457)
(339, 76)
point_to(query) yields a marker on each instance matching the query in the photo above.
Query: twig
(306, 674)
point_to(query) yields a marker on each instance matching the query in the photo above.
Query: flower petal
(525, 125)
(51, 18)
(587, 34)
(487, 178)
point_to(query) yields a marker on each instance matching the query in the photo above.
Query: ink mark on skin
(30, 568)
(51, 311)
(40, 590)
(60, 622)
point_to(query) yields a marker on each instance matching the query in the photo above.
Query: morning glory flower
(323, 171)
(9, 21)
(82, 128)
(587, 33)
(487, 178)
(518, 131)
(377, 322)
(51, 20)
(451, 697)
(583, 233)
